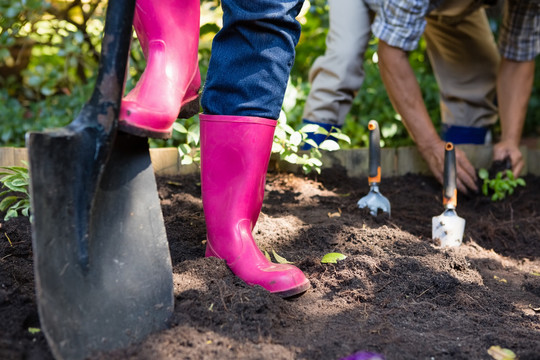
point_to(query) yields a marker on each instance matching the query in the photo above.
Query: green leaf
(309, 128)
(498, 353)
(277, 147)
(311, 142)
(329, 145)
(33, 330)
(316, 162)
(10, 214)
(332, 258)
(483, 174)
(322, 131)
(509, 174)
(280, 259)
(186, 160)
(342, 137)
(267, 255)
(296, 138)
(180, 128)
(7, 202)
(291, 158)
(485, 189)
(520, 181)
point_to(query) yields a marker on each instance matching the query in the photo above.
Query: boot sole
(188, 110)
(294, 292)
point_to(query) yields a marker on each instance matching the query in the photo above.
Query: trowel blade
(448, 228)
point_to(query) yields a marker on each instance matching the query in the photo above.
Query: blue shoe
(466, 135)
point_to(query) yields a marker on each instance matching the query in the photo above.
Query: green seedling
(280, 259)
(33, 330)
(499, 353)
(332, 258)
(15, 198)
(503, 184)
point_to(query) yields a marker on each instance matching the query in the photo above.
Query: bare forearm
(405, 94)
(514, 86)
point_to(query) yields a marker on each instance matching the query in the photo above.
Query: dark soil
(396, 293)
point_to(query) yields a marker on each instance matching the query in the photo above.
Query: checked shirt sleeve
(401, 23)
(519, 39)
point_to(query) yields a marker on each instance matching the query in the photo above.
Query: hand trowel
(448, 227)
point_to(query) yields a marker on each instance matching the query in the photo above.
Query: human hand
(506, 149)
(433, 154)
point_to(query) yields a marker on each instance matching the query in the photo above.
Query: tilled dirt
(397, 293)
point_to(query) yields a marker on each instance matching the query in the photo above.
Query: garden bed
(396, 293)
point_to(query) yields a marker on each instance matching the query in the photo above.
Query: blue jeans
(252, 56)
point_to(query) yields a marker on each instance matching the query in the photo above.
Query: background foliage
(49, 51)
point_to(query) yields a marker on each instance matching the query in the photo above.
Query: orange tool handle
(374, 173)
(449, 180)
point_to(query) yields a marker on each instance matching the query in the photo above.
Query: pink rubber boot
(235, 152)
(168, 31)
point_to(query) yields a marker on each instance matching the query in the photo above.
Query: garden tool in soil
(448, 227)
(233, 174)
(374, 200)
(101, 258)
(168, 31)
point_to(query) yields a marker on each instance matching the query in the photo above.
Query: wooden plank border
(394, 161)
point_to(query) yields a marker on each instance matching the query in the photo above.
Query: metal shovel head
(448, 228)
(374, 201)
(113, 286)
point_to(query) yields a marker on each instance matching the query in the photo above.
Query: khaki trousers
(462, 52)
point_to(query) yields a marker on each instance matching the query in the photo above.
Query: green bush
(63, 37)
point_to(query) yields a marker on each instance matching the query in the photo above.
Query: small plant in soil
(16, 197)
(501, 185)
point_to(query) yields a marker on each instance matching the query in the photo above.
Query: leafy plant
(189, 151)
(503, 184)
(16, 180)
(287, 143)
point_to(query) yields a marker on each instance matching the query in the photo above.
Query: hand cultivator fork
(374, 200)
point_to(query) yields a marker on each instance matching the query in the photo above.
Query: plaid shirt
(401, 23)
(519, 39)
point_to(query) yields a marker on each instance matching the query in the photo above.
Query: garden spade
(102, 264)
(448, 227)
(374, 200)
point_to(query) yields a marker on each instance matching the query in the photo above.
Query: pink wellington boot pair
(235, 150)
(168, 31)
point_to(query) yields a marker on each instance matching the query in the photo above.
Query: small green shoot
(503, 184)
(33, 330)
(499, 353)
(332, 258)
(279, 259)
(8, 239)
(15, 179)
